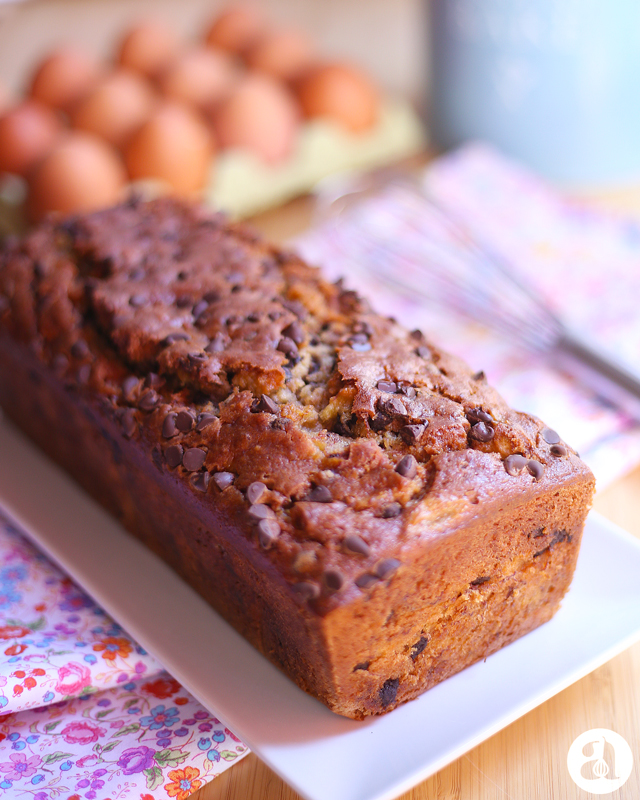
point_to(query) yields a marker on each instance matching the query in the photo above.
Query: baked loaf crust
(366, 511)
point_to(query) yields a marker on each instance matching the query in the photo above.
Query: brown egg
(342, 93)
(261, 115)
(64, 77)
(236, 29)
(117, 107)
(81, 173)
(174, 146)
(149, 48)
(200, 77)
(283, 54)
(28, 131)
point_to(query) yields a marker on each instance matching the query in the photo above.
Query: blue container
(555, 83)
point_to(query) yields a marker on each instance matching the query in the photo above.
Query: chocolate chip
(288, 347)
(216, 345)
(407, 467)
(419, 647)
(184, 421)
(261, 511)
(333, 580)
(80, 349)
(387, 567)
(128, 385)
(515, 464)
(169, 426)
(255, 491)
(363, 327)
(387, 386)
(482, 432)
(83, 374)
(280, 424)
(479, 581)
(320, 494)
(184, 301)
(379, 422)
(423, 352)
(153, 381)
(391, 511)
(410, 434)
(203, 421)
(389, 691)
(362, 665)
(359, 338)
(558, 450)
(296, 308)
(344, 428)
(193, 459)
(173, 455)
(265, 405)
(137, 300)
(366, 580)
(354, 544)
(196, 358)
(199, 308)
(550, 436)
(128, 422)
(175, 337)
(211, 297)
(200, 481)
(149, 400)
(182, 275)
(479, 376)
(536, 469)
(294, 332)
(253, 317)
(223, 479)
(417, 335)
(478, 415)
(407, 389)
(268, 531)
(392, 406)
(307, 589)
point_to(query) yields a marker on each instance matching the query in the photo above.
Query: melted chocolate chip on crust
(386, 568)
(169, 426)
(407, 467)
(550, 436)
(482, 432)
(515, 464)
(200, 481)
(149, 400)
(223, 479)
(128, 422)
(203, 421)
(391, 511)
(184, 421)
(255, 492)
(265, 405)
(320, 494)
(558, 450)
(307, 589)
(261, 511)
(535, 468)
(366, 580)
(333, 580)
(268, 531)
(478, 415)
(173, 455)
(355, 544)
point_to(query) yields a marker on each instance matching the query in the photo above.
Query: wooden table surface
(527, 760)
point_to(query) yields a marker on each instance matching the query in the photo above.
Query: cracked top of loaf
(337, 435)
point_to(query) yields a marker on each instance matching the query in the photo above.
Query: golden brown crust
(342, 450)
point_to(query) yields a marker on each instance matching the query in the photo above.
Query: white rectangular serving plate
(320, 754)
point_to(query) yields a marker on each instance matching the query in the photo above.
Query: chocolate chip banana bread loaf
(366, 511)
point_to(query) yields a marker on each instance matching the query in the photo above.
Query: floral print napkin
(85, 712)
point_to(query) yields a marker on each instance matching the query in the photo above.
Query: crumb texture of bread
(368, 512)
